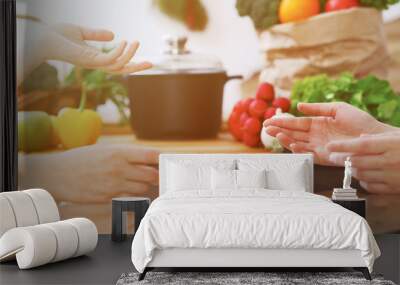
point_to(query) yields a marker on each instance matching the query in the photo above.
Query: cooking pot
(180, 97)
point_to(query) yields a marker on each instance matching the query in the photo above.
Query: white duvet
(250, 219)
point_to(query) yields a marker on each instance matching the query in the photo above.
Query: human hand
(73, 48)
(67, 42)
(375, 159)
(328, 122)
(93, 174)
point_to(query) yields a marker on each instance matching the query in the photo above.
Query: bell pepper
(55, 138)
(78, 127)
(34, 131)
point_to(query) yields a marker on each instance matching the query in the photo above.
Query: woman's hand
(68, 43)
(92, 174)
(328, 122)
(375, 159)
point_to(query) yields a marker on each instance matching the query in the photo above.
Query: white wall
(231, 38)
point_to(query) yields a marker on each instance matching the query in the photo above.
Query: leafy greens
(370, 94)
(378, 4)
(264, 13)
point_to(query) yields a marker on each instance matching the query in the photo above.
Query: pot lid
(176, 58)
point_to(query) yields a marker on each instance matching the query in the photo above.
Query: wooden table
(383, 211)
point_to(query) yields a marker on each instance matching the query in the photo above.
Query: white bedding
(252, 218)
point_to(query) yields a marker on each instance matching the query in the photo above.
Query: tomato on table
(336, 5)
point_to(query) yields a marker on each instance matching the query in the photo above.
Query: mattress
(251, 219)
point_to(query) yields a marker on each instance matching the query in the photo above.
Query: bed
(246, 211)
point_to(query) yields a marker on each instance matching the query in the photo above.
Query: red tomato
(283, 103)
(269, 113)
(239, 107)
(252, 126)
(243, 105)
(235, 117)
(336, 5)
(251, 140)
(236, 132)
(234, 125)
(265, 92)
(243, 118)
(257, 108)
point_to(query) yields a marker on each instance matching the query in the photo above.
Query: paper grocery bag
(349, 40)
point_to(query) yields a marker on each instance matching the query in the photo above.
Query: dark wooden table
(382, 211)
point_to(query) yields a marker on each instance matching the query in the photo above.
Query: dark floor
(103, 266)
(110, 260)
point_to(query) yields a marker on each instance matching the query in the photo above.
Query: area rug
(244, 278)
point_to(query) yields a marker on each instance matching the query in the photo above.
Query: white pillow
(282, 174)
(183, 177)
(193, 174)
(251, 178)
(237, 179)
(223, 179)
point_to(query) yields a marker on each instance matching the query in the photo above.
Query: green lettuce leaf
(370, 94)
(378, 4)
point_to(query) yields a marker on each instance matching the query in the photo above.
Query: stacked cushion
(27, 208)
(41, 244)
(7, 220)
(31, 230)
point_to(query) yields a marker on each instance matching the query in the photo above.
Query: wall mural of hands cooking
(93, 129)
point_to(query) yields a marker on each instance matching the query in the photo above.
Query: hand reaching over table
(92, 174)
(376, 159)
(327, 122)
(67, 42)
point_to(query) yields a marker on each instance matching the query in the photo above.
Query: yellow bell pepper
(78, 127)
(55, 137)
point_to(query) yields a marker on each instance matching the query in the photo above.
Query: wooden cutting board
(222, 144)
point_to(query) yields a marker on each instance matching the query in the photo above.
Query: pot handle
(233, 77)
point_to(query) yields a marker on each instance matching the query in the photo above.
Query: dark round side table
(356, 205)
(122, 205)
